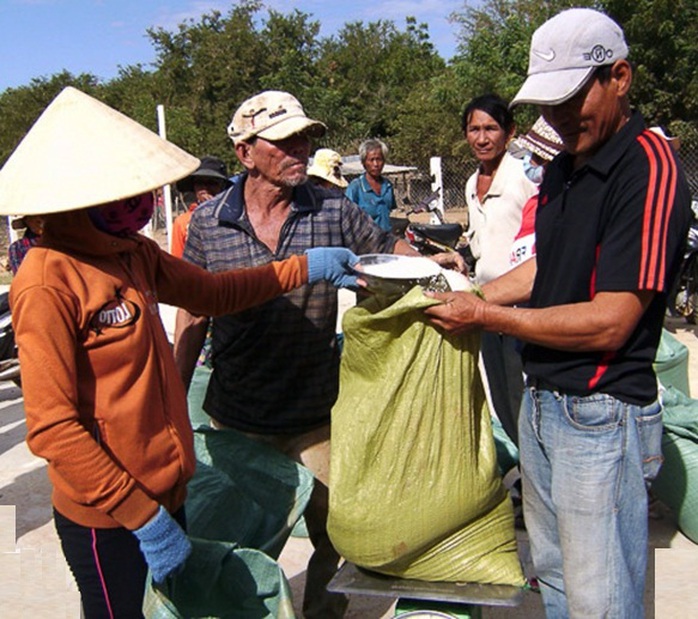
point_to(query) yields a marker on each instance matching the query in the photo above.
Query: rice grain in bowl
(394, 275)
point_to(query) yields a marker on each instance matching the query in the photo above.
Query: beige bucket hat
(327, 164)
(87, 154)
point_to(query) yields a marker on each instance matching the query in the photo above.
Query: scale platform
(352, 579)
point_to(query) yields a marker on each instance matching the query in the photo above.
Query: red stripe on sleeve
(659, 201)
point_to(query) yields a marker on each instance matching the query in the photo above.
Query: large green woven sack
(244, 491)
(677, 483)
(415, 491)
(671, 363)
(196, 395)
(242, 503)
(220, 580)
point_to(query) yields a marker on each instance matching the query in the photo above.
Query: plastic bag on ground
(415, 490)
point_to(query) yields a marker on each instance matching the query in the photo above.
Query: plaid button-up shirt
(276, 366)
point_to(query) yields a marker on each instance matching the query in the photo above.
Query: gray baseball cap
(565, 51)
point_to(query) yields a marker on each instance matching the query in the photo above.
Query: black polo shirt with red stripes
(618, 223)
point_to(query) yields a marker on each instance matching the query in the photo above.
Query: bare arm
(514, 286)
(403, 248)
(447, 259)
(605, 323)
(190, 334)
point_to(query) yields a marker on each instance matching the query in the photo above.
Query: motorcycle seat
(447, 234)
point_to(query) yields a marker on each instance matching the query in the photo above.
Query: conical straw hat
(79, 153)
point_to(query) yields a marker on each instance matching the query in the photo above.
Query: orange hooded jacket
(103, 399)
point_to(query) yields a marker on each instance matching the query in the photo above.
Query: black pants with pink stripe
(108, 567)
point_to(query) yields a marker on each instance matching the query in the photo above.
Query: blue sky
(43, 37)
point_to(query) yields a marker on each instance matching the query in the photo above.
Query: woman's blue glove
(333, 264)
(164, 544)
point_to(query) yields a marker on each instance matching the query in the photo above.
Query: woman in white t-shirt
(495, 195)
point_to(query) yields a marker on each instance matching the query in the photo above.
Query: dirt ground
(453, 216)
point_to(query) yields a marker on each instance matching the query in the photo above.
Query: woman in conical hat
(103, 399)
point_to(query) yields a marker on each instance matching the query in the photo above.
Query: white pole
(437, 183)
(12, 233)
(166, 190)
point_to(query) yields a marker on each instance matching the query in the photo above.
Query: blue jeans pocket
(649, 429)
(595, 413)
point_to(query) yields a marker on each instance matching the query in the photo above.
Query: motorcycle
(684, 297)
(9, 363)
(430, 239)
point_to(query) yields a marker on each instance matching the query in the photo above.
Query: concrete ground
(35, 582)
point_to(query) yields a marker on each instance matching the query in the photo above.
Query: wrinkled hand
(459, 312)
(164, 545)
(451, 260)
(333, 264)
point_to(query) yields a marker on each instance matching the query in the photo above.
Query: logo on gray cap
(599, 54)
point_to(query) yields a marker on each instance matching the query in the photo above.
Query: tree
(493, 46)
(663, 40)
(662, 36)
(368, 72)
(20, 107)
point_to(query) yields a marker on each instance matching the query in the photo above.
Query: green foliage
(494, 40)
(663, 40)
(370, 79)
(20, 107)
(368, 72)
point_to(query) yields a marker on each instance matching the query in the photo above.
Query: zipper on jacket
(139, 286)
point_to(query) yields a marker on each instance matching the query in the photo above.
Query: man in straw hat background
(276, 370)
(102, 396)
(613, 212)
(326, 169)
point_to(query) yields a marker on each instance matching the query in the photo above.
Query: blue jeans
(585, 462)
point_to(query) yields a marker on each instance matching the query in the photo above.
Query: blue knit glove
(333, 264)
(164, 544)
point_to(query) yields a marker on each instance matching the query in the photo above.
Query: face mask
(123, 217)
(534, 173)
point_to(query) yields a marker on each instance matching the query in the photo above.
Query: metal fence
(413, 187)
(416, 185)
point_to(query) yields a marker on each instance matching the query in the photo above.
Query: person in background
(613, 213)
(495, 195)
(541, 144)
(34, 227)
(208, 180)
(372, 191)
(673, 140)
(326, 169)
(103, 400)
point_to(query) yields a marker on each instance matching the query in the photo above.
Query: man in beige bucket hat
(102, 396)
(612, 216)
(275, 371)
(326, 169)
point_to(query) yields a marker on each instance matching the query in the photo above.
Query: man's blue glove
(333, 264)
(164, 544)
